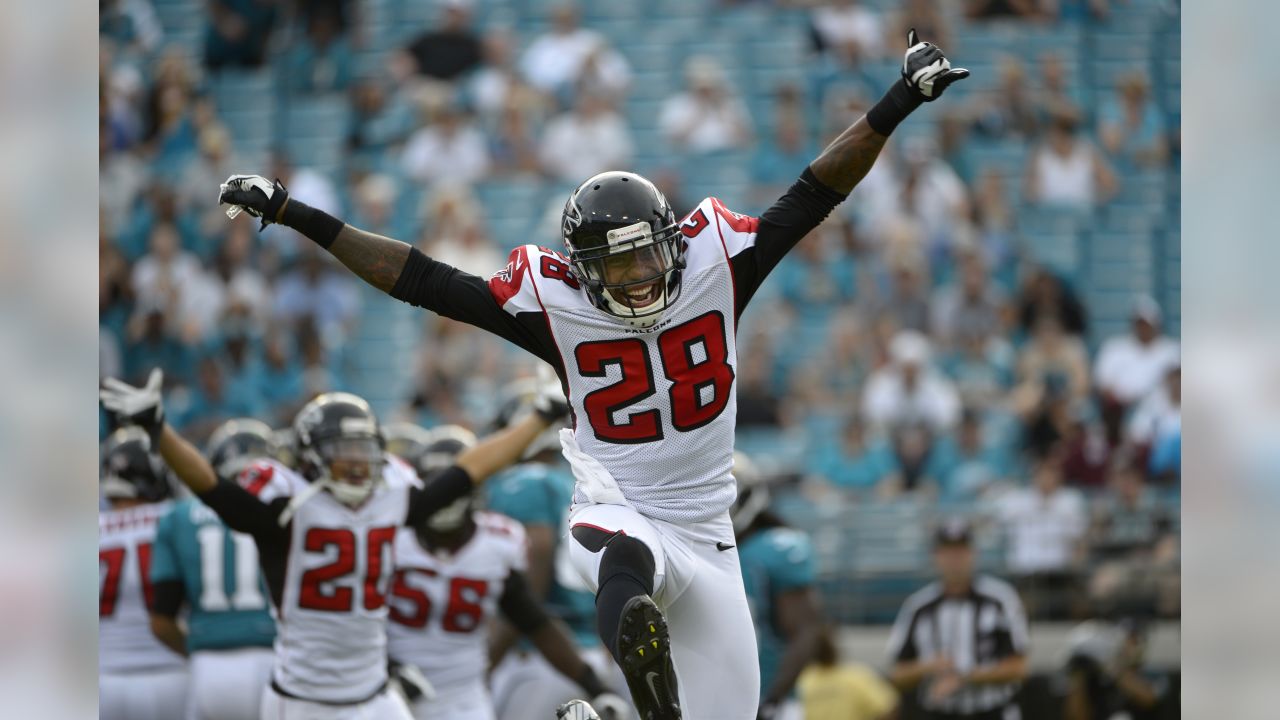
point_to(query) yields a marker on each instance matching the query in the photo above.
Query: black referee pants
(997, 714)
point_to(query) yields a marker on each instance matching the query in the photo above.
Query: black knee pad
(627, 557)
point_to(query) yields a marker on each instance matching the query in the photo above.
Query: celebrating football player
(325, 538)
(639, 320)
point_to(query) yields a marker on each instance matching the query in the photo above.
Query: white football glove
(138, 406)
(550, 402)
(926, 70)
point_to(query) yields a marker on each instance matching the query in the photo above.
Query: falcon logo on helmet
(625, 245)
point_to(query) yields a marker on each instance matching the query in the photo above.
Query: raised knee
(626, 556)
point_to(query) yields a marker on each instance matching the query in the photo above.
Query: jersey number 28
(695, 359)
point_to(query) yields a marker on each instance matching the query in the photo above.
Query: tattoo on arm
(849, 157)
(377, 260)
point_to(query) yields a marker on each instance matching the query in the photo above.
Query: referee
(961, 640)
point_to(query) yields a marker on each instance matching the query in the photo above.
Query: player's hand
(255, 195)
(944, 686)
(926, 70)
(550, 402)
(408, 678)
(137, 406)
(610, 707)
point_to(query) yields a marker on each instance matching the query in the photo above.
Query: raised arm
(926, 73)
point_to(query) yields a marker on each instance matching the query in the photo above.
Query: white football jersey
(125, 642)
(441, 604)
(331, 601)
(655, 406)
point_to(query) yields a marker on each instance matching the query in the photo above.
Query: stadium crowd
(916, 351)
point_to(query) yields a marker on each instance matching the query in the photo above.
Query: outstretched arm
(377, 260)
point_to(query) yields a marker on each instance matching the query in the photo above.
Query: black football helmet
(130, 471)
(285, 447)
(451, 523)
(408, 442)
(340, 446)
(625, 245)
(236, 444)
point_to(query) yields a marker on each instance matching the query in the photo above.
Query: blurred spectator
(982, 367)
(151, 343)
(321, 60)
(209, 169)
(379, 120)
(928, 19)
(1052, 364)
(445, 52)
(931, 192)
(1011, 110)
(1131, 366)
(1067, 170)
(993, 220)
(173, 279)
(1131, 126)
(115, 293)
(454, 232)
(590, 138)
(971, 307)
(171, 118)
(132, 24)
(758, 402)
(495, 82)
(1044, 295)
(238, 32)
(780, 159)
(965, 465)
(912, 443)
(848, 32)
(319, 293)
(557, 60)
(470, 251)
(906, 299)
(833, 690)
(909, 390)
(209, 402)
(1158, 416)
(240, 283)
(319, 371)
(987, 9)
(374, 206)
(1055, 92)
(1045, 528)
(1133, 546)
(1107, 675)
(513, 145)
(707, 116)
(281, 379)
(308, 186)
(446, 147)
(820, 277)
(856, 462)
(121, 178)
(159, 206)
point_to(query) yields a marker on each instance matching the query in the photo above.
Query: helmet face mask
(237, 444)
(625, 245)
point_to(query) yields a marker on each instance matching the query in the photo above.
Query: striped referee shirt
(974, 630)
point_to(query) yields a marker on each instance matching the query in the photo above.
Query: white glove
(926, 70)
(139, 406)
(550, 401)
(241, 193)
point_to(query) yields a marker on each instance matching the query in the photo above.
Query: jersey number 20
(328, 588)
(695, 359)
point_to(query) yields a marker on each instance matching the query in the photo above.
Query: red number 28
(692, 379)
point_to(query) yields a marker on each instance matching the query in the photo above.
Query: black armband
(590, 682)
(318, 225)
(893, 108)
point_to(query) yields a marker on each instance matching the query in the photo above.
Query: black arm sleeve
(167, 597)
(244, 512)
(518, 605)
(452, 483)
(448, 291)
(802, 208)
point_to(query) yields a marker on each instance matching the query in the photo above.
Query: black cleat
(644, 648)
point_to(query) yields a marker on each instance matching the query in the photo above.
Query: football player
(538, 493)
(639, 320)
(202, 566)
(139, 678)
(325, 538)
(456, 572)
(777, 568)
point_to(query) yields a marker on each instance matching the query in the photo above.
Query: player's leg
(227, 684)
(143, 695)
(713, 638)
(113, 695)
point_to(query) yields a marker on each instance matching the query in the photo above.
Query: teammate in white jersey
(325, 539)
(455, 573)
(639, 321)
(139, 678)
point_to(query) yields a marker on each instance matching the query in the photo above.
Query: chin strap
(297, 500)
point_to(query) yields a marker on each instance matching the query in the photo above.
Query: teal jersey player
(539, 494)
(221, 582)
(774, 561)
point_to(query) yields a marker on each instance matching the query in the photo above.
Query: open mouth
(641, 295)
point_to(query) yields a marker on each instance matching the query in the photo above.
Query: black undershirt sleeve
(167, 597)
(242, 511)
(457, 295)
(452, 483)
(802, 208)
(519, 606)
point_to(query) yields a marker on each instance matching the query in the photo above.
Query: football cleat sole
(644, 646)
